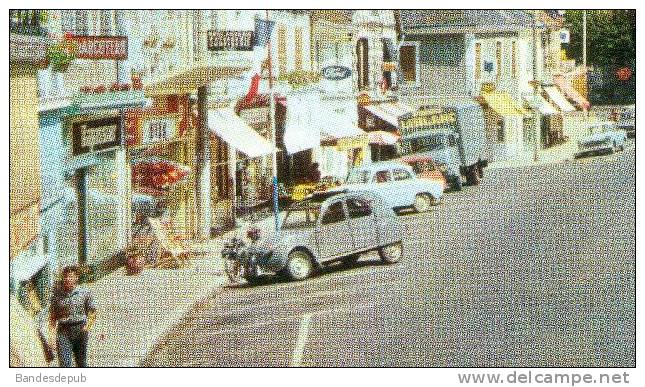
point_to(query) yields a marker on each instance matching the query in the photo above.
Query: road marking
(263, 323)
(299, 350)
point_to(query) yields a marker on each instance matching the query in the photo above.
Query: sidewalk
(134, 312)
(554, 154)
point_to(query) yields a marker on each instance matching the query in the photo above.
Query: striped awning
(537, 102)
(559, 99)
(571, 93)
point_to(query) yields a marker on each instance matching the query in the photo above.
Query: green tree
(611, 37)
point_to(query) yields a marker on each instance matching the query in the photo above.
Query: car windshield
(303, 215)
(596, 129)
(358, 177)
(427, 143)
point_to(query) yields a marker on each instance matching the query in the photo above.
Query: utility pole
(584, 39)
(274, 154)
(537, 82)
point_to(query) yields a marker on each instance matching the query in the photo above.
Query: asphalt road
(535, 267)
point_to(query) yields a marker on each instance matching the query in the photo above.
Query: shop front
(343, 144)
(94, 219)
(240, 171)
(507, 124)
(161, 154)
(550, 120)
(380, 119)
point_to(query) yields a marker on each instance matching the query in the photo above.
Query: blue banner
(263, 29)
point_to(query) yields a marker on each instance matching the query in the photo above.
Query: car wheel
(391, 253)
(480, 171)
(234, 270)
(458, 185)
(473, 177)
(422, 202)
(351, 260)
(299, 265)
(613, 149)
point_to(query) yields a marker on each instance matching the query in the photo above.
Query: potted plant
(61, 55)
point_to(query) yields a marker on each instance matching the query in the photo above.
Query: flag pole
(274, 164)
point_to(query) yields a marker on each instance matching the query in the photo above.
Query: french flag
(263, 30)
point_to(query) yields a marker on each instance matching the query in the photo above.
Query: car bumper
(593, 151)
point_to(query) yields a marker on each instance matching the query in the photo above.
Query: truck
(453, 136)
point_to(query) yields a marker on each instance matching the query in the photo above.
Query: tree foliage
(611, 37)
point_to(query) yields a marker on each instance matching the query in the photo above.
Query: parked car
(326, 227)
(426, 168)
(627, 121)
(396, 183)
(603, 137)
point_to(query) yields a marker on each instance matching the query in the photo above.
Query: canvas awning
(337, 126)
(240, 136)
(302, 129)
(390, 111)
(537, 102)
(502, 103)
(559, 99)
(381, 137)
(570, 92)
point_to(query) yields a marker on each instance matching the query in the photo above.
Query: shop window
(358, 208)
(298, 62)
(500, 131)
(106, 22)
(81, 26)
(408, 63)
(478, 61)
(282, 50)
(334, 214)
(362, 63)
(401, 174)
(514, 59)
(382, 177)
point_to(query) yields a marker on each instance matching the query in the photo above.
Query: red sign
(100, 47)
(624, 73)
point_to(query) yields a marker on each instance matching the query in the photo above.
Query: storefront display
(161, 157)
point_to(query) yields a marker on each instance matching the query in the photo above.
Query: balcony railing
(28, 22)
(28, 36)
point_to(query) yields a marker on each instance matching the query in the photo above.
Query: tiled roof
(411, 19)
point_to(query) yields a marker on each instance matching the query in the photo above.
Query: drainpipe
(202, 167)
(538, 118)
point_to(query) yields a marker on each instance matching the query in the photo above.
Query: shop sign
(159, 129)
(230, 40)
(427, 119)
(488, 87)
(96, 135)
(565, 36)
(347, 143)
(101, 47)
(336, 72)
(363, 99)
(389, 66)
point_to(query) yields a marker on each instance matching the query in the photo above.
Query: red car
(426, 168)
